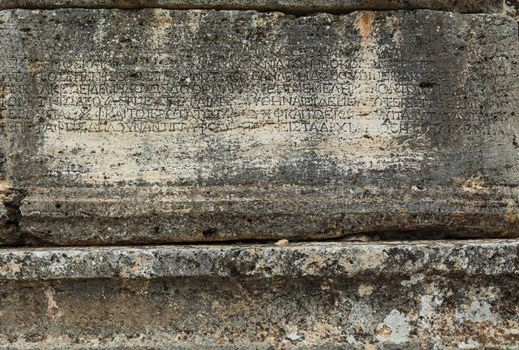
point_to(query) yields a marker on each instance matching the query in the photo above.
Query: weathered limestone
(423, 295)
(292, 6)
(319, 260)
(3, 216)
(170, 126)
(513, 9)
(161, 125)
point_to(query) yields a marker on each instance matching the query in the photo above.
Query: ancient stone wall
(377, 142)
(173, 126)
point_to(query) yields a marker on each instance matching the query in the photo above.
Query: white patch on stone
(469, 345)
(397, 323)
(293, 337)
(412, 281)
(428, 305)
(475, 312)
(361, 316)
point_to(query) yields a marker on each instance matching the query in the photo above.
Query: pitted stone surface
(423, 295)
(293, 6)
(170, 126)
(320, 260)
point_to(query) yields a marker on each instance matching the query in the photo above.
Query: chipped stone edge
(300, 260)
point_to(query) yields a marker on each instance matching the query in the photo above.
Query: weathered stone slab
(292, 6)
(421, 295)
(319, 260)
(167, 126)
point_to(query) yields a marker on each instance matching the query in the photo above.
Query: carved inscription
(154, 102)
(157, 126)
(302, 95)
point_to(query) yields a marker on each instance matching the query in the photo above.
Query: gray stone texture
(423, 295)
(513, 9)
(302, 260)
(292, 6)
(162, 126)
(175, 126)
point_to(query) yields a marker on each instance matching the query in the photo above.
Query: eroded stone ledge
(420, 295)
(346, 259)
(290, 6)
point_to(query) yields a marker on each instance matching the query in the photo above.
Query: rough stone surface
(322, 260)
(155, 125)
(513, 9)
(292, 6)
(168, 126)
(3, 216)
(423, 295)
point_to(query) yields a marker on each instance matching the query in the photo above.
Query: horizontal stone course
(292, 6)
(322, 260)
(399, 295)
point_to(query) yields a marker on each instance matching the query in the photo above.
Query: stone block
(175, 126)
(420, 295)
